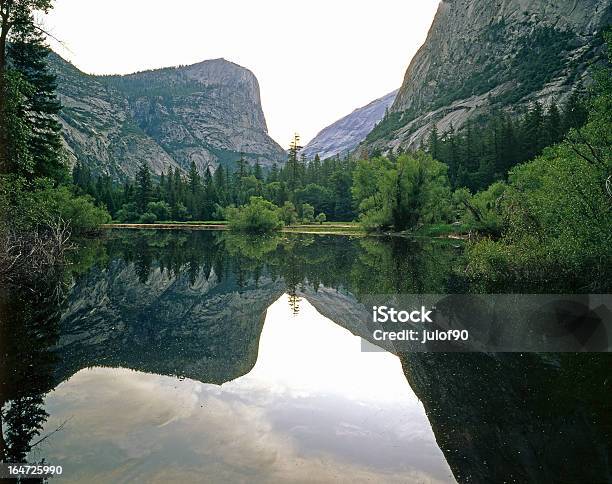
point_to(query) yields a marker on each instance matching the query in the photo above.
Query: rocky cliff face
(480, 53)
(98, 129)
(345, 134)
(209, 113)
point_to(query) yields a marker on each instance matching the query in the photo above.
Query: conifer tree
(16, 17)
(241, 167)
(273, 174)
(195, 182)
(553, 127)
(28, 55)
(293, 163)
(434, 142)
(219, 181)
(144, 188)
(257, 171)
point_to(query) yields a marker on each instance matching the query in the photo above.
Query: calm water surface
(184, 356)
(313, 408)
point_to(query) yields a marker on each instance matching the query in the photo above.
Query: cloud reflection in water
(313, 409)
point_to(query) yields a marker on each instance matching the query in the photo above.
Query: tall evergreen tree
(533, 131)
(16, 17)
(241, 167)
(210, 199)
(574, 112)
(219, 181)
(28, 55)
(144, 188)
(434, 142)
(194, 180)
(554, 130)
(273, 174)
(257, 171)
(293, 163)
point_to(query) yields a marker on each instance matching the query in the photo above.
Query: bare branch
(58, 429)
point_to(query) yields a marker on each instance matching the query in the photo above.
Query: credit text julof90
(383, 314)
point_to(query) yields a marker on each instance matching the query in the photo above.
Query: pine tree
(144, 188)
(219, 181)
(16, 19)
(316, 169)
(194, 180)
(177, 184)
(574, 112)
(241, 166)
(293, 164)
(273, 174)
(28, 55)
(208, 179)
(257, 171)
(433, 143)
(162, 186)
(553, 127)
(210, 199)
(533, 131)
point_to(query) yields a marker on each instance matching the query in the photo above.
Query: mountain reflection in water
(194, 356)
(313, 408)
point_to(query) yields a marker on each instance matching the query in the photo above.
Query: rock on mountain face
(98, 129)
(482, 53)
(209, 113)
(345, 134)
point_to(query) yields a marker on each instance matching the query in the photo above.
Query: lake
(204, 356)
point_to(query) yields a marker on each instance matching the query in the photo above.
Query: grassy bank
(445, 231)
(328, 228)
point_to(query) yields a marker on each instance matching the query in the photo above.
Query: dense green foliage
(38, 212)
(403, 193)
(28, 56)
(555, 214)
(257, 216)
(485, 149)
(546, 221)
(27, 205)
(310, 188)
(34, 195)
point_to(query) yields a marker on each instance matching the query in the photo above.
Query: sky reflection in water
(314, 408)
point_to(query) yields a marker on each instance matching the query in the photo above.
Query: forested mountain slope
(482, 54)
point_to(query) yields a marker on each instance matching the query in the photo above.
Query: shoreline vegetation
(441, 231)
(299, 229)
(41, 210)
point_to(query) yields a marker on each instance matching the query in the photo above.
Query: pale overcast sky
(315, 60)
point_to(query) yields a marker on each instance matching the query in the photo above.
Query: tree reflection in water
(29, 328)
